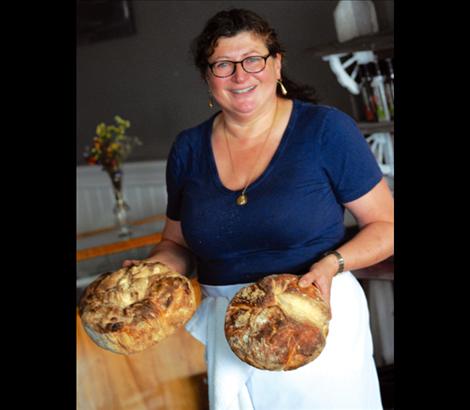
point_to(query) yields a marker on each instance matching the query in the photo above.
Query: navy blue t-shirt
(294, 213)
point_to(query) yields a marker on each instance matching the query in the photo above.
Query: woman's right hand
(127, 263)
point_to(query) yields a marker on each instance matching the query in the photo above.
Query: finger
(325, 292)
(310, 278)
(129, 262)
(307, 280)
(325, 289)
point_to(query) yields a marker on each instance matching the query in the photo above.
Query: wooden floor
(171, 375)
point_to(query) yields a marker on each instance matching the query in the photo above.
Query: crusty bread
(275, 324)
(129, 310)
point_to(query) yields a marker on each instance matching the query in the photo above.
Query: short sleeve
(174, 183)
(347, 158)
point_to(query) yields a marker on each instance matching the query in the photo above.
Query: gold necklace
(242, 199)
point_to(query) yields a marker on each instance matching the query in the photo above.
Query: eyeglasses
(226, 68)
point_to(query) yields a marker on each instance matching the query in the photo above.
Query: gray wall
(149, 78)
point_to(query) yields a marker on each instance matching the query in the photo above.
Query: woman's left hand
(321, 275)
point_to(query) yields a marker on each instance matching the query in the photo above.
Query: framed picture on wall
(100, 20)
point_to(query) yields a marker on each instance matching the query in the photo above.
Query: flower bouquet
(111, 146)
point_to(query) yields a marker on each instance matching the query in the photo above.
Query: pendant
(242, 200)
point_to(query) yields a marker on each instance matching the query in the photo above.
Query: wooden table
(384, 270)
(170, 375)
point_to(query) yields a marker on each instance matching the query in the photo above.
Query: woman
(260, 188)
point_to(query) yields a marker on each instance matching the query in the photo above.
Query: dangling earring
(211, 102)
(283, 89)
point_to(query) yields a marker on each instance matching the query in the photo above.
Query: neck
(252, 127)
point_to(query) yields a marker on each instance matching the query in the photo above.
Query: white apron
(343, 376)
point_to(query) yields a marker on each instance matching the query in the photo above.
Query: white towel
(343, 377)
(227, 374)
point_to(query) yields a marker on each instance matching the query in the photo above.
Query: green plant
(111, 146)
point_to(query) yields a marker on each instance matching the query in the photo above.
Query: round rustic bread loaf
(129, 310)
(275, 324)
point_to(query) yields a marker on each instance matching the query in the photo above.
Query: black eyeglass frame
(235, 65)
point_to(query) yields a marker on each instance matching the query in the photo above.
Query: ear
(207, 78)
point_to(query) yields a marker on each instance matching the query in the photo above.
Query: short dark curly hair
(229, 23)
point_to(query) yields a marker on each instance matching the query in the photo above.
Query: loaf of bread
(129, 310)
(275, 324)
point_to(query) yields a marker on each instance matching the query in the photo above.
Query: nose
(240, 74)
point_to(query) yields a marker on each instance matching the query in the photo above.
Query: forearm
(175, 256)
(372, 244)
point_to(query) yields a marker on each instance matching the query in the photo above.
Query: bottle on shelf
(383, 113)
(387, 71)
(367, 94)
(392, 75)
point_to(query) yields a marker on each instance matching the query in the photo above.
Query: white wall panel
(144, 191)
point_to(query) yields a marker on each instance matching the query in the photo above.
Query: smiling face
(244, 93)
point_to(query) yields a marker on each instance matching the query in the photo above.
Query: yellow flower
(101, 129)
(122, 122)
(111, 145)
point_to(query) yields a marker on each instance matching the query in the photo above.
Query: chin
(244, 106)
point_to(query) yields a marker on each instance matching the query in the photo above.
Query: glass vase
(121, 209)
